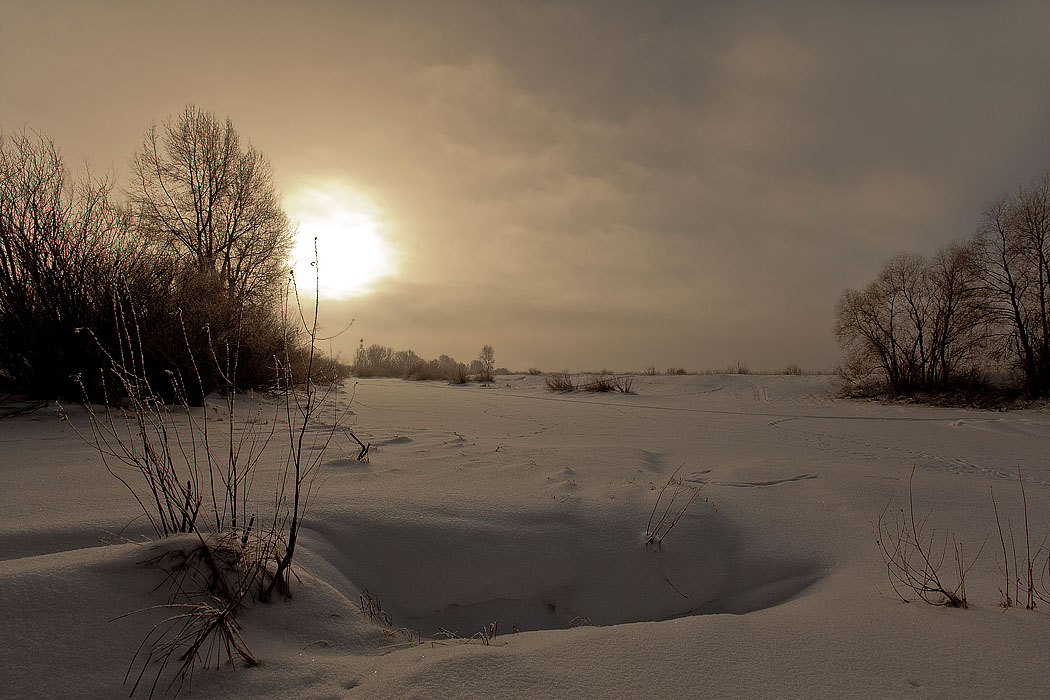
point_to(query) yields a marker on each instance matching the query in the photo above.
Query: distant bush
(599, 383)
(560, 381)
(458, 375)
(381, 361)
(596, 382)
(672, 371)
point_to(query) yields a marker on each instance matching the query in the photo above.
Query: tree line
(381, 361)
(186, 269)
(975, 316)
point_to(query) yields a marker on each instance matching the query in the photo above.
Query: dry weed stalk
(370, 607)
(1006, 600)
(915, 557)
(1023, 576)
(171, 447)
(673, 508)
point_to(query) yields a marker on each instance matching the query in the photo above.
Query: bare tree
(200, 191)
(917, 326)
(1013, 241)
(488, 359)
(961, 324)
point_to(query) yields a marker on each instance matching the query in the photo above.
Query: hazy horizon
(582, 184)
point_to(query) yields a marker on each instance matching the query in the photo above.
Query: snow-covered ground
(508, 503)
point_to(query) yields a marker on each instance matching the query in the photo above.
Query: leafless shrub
(607, 382)
(675, 371)
(166, 455)
(190, 474)
(683, 495)
(915, 557)
(62, 243)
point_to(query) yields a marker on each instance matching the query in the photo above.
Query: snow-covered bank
(511, 504)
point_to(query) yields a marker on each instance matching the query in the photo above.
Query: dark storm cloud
(588, 183)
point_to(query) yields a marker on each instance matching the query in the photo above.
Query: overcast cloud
(582, 184)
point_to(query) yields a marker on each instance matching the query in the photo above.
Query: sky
(581, 185)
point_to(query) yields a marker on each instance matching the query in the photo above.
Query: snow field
(514, 505)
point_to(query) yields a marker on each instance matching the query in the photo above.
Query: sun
(352, 249)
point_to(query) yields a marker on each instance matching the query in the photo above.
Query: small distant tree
(487, 358)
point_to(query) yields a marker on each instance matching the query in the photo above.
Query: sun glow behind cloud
(352, 250)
